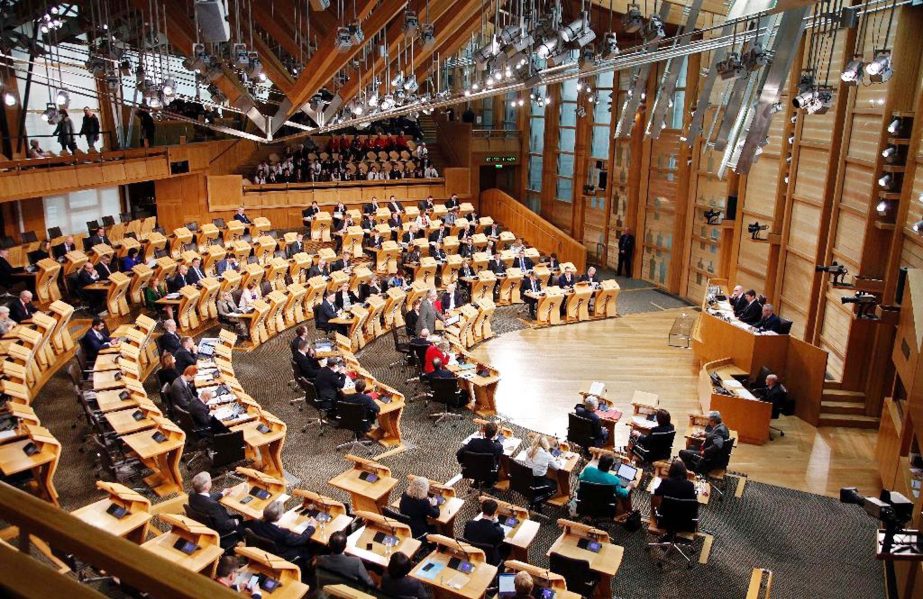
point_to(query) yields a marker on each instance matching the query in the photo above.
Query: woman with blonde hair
(538, 457)
(418, 506)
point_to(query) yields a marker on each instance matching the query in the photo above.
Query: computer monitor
(29, 237)
(507, 586)
(108, 221)
(627, 472)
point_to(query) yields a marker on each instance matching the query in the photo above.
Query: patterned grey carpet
(815, 546)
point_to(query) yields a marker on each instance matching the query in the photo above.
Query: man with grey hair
(428, 313)
(208, 510)
(712, 448)
(169, 341)
(6, 323)
(289, 545)
(22, 308)
(587, 410)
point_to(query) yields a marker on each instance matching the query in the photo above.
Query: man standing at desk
(428, 313)
(329, 382)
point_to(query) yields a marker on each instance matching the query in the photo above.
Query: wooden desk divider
(542, 273)
(606, 305)
(426, 271)
(451, 266)
(140, 280)
(479, 260)
(163, 269)
(251, 273)
(760, 586)
(258, 332)
(417, 290)
(155, 241)
(188, 314)
(230, 281)
(480, 241)
(276, 269)
(181, 237)
(352, 241)
(393, 310)
(360, 275)
(48, 272)
(301, 263)
(99, 250)
(483, 286)
(482, 328)
(357, 340)
(374, 524)
(261, 224)
(263, 248)
(208, 298)
(233, 229)
(578, 302)
(207, 232)
(371, 328)
(509, 287)
(320, 226)
(116, 301)
(241, 250)
(336, 279)
(387, 257)
(272, 567)
(211, 256)
(275, 321)
(74, 261)
(227, 338)
(294, 304)
(255, 481)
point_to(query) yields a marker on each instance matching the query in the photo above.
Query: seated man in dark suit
(326, 312)
(426, 204)
(737, 300)
(776, 394)
(769, 321)
(96, 339)
(344, 565)
(186, 355)
(96, 298)
(639, 440)
(201, 414)
(22, 308)
(98, 237)
(362, 398)
(181, 391)
(487, 532)
(753, 312)
(345, 298)
(588, 410)
(343, 263)
(179, 280)
(567, 280)
(306, 365)
(65, 247)
(496, 265)
(229, 263)
(296, 246)
(195, 273)
(169, 341)
(452, 298)
(461, 397)
(205, 503)
(530, 283)
(242, 217)
(319, 270)
(289, 546)
(329, 382)
(590, 276)
(710, 452)
(522, 262)
(103, 267)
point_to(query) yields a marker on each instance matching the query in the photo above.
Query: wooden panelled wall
(815, 186)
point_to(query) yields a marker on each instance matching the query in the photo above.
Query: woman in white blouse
(538, 457)
(249, 295)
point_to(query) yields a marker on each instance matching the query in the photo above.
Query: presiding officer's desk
(740, 410)
(721, 342)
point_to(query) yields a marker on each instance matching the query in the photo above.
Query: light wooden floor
(543, 369)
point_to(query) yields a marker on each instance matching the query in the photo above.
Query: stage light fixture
(731, 67)
(427, 34)
(411, 22)
(63, 98)
(484, 54)
(632, 21)
(879, 69)
(653, 29)
(9, 99)
(344, 39)
(50, 115)
(547, 48)
(610, 45)
(852, 72)
(821, 101)
(355, 30)
(169, 87)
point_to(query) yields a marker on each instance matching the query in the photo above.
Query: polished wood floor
(544, 369)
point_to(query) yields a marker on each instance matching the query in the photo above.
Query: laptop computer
(506, 588)
(626, 472)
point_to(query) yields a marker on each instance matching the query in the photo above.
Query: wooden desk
(162, 458)
(482, 389)
(320, 508)
(366, 496)
(264, 564)
(510, 444)
(605, 562)
(388, 433)
(203, 560)
(605, 304)
(449, 582)
(254, 481)
(43, 464)
(124, 422)
(548, 305)
(519, 536)
(741, 411)
(366, 542)
(264, 448)
(542, 578)
(132, 526)
(445, 522)
(578, 303)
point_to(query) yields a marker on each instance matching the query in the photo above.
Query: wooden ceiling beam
(448, 47)
(326, 61)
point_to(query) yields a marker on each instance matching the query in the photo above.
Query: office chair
(28, 237)
(310, 397)
(785, 326)
(125, 217)
(251, 539)
(197, 437)
(479, 468)
(580, 431)
(227, 541)
(596, 501)
(354, 418)
(92, 226)
(394, 514)
(680, 519)
(717, 471)
(117, 468)
(447, 393)
(55, 232)
(523, 483)
(760, 379)
(657, 446)
(402, 347)
(326, 327)
(576, 572)
(108, 221)
(228, 450)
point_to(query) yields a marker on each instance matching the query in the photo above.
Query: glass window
(536, 134)
(565, 165)
(568, 137)
(509, 112)
(72, 211)
(600, 145)
(487, 113)
(535, 172)
(565, 190)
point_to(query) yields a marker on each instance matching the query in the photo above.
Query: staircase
(428, 127)
(844, 408)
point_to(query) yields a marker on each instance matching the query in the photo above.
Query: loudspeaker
(731, 212)
(212, 16)
(179, 168)
(603, 179)
(901, 282)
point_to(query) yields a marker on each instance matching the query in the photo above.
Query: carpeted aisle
(815, 546)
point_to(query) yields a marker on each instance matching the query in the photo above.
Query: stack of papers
(597, 388)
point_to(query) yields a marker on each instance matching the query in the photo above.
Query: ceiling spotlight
(216, 95)
(240, 58)
(891, 154)
(63, 99)
(483, 55)
(169, 87)
(410, 22)
(410, 84)
(254, 69)
(356, 107)
(884, 207)
(821, 101)
(755, 58)
(888, 182)
(653, 29)
(96, 65)
(344, 39)
(547, 48)
(731, 67)
(427, 34)
(879, 69)
(578, 31)
(895, 126)
(373, 100)
(387, 103)
(632, 21)
(610, 45)
(9, 99)
(355, 30)
(918, 226)
(852, 72)
(802, 100)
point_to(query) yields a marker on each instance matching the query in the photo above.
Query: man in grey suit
(181, 391)
(428, 313)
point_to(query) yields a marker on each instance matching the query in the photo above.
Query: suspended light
(852, 72)
(398, 80)
(895, 125)
(63, 98)
(802, 100)
(483, 55)
(427, 34)
(886, 181)
(9, 99)
(387, 103)
(653, 29)
(755, 58)
(547, 48)
(731, 67)
(373, 100)
(411, 85)
(344, 39)
(891, 154)
(411, 22)
(610, 45)
(169, 88)
(879, 69)
(821, 101)
(632, 21)
(578, 31)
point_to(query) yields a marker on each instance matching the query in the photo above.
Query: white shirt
(540, 463)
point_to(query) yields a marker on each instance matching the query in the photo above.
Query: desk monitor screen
(260, 493)
(589, 545)
(246, 500)
(386, 540)
(542, 593)
(627, 472)
(263, 428)
(506, 588)
(511, 522)
(124, 395)
(269, 584)
(368, 477)
(187, 547)
(138, 415)
(463, 566)
(159, 437)
(116, 511)
(30, 448)
(440, 499)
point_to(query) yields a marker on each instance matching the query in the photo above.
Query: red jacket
(432, 352)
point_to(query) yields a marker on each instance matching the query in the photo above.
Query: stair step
(848, 420)
(842, 407)
(841, 395)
